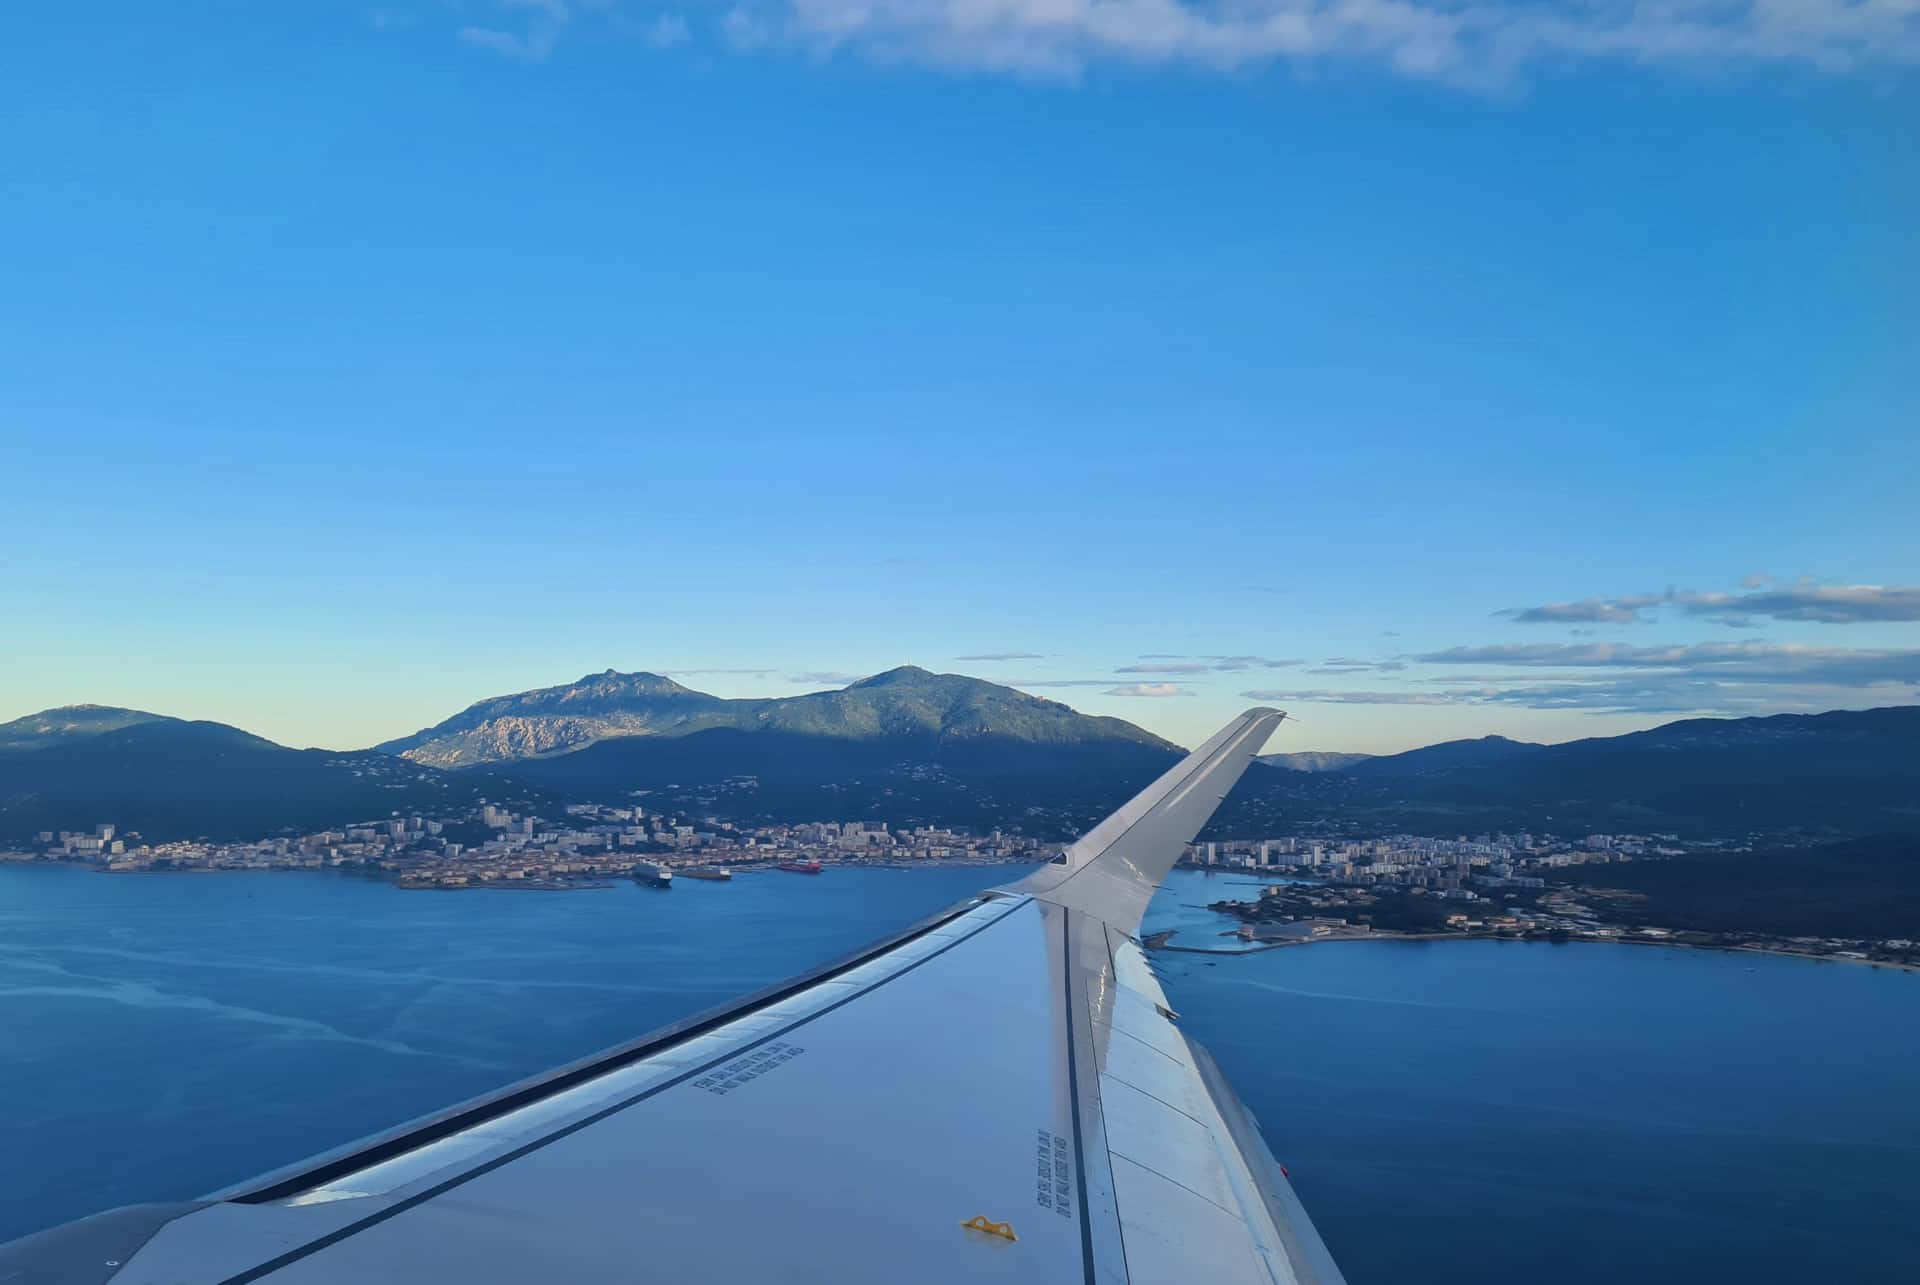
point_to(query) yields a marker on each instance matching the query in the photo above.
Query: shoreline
(401, 880)
(1162, 942)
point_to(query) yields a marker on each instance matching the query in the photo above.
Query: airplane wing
(998, 1094)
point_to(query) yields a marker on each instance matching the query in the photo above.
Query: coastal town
(494, 847)
(1516, 886)
(1311, 889)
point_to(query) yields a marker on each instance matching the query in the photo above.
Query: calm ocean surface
(1450, 1111)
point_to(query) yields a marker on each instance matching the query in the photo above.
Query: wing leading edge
(1013, 1061)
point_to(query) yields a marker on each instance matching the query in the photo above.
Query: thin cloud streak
(1482, 46)
(533, 46)
(1169, 663)
(1748, 662)
(1346, 665)
(1804, 601)
(1152, 691)
(1696, 678)
(1053, 682)
(824, 678)
(1330, 696)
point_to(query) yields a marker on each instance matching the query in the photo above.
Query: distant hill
(1445, 757)
(906, 745)
(1858, 888)
(1849, 772)
(911, 702)
(910, 746)
(1314, 760)
(67, 723)
(904, 702)
(169, 778)
(556, 719)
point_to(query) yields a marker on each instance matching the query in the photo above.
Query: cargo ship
(653, 875)
(801, 867)
(706, 872)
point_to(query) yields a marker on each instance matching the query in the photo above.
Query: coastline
(408, 881)
(1162, 942)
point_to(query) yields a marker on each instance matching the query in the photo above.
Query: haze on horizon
(1430, 373)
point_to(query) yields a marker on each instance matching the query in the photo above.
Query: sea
(1449, 1111)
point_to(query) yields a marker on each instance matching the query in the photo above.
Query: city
(1520, 886)
(494, 847)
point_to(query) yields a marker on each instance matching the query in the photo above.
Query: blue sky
(359, 363)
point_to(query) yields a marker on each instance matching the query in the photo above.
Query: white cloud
(1250, 662)
(1605, 611)
(745, 31)
(1349, 665)
(663, 31)
(1805, 600)
(532, 46)
(824, 678)
(1024, 683)
(1330, 696)
(1477, 44)
(1168, 663)
(1734, 662)
(1700, 678)
(1146, 689)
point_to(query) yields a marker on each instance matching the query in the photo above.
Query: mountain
(69, 722)
(1445, 757)
(169, 778)
(903, 702)
(911, 747)
(1313, 760)
(556, 719)
(906, 746)
(1848, 772)
(910, 702)
(1868, 887)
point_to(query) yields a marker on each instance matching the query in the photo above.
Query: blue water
(1450, 1112)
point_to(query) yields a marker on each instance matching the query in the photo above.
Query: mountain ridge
(912, 745)
(64, 722)
(1840, 772)
(171, 778)
(556, 719)
(906, 701)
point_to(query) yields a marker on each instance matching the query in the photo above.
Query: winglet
(1111, 872)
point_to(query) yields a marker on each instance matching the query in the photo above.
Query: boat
(801, 867)
(653, 874)
(706, 872)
